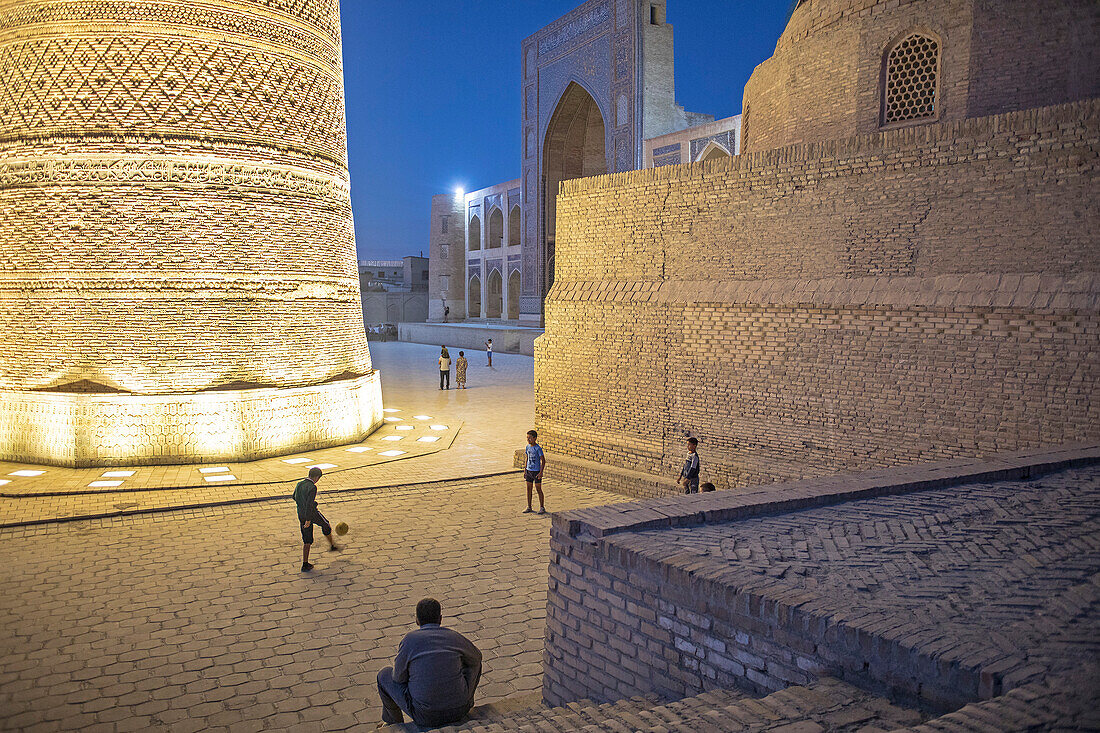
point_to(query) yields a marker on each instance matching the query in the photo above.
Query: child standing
(489, 351)
(305, 496)
(536, 464)
(689, 474)
(460, 369)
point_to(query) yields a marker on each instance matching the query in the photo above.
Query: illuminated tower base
(178, 277)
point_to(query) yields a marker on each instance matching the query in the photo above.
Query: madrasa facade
(598, 97)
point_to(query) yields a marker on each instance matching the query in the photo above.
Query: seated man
(434, 675)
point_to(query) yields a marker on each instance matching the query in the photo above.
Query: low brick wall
(598, 476)
(621, 624)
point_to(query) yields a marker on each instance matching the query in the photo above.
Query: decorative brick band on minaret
(178, 275)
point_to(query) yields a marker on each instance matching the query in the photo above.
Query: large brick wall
(891, 298)
(824, 81)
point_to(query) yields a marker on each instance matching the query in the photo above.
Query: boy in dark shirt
(305, 496)
(689, 474)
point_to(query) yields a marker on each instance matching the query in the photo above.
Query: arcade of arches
(575, 148)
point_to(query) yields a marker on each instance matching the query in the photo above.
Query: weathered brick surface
(175, 218)
(827, 705)
(905, 296)
(824, 81)
(940, 597)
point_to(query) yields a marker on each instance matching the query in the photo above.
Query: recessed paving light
(423, 417)
(428, 439)
(325, 466)
(214, 469)
(390, 409)
(4, 481)
(394, 419)
(101, 484)
(359, 449)
(391, 453)
(404, 427)
(118, 474)
(26, 473)
(297, 460)
(438, 427)
(222, 477)
(394, 437)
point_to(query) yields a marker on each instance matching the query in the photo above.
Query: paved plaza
(200, 620)
(478, 429)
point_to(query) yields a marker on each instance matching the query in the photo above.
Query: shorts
(315, 518)
(532, 476)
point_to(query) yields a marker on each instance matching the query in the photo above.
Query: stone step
(826, 706)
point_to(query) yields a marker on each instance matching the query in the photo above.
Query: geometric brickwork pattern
(1005, 573)
(911, 70)
(175, 210)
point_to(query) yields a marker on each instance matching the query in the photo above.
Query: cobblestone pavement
(1004, 576)
(200, 620)
(494, 413)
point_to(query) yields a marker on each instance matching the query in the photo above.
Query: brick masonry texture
(904, 296)
(939, 597)
(825, 79)
(175, 218)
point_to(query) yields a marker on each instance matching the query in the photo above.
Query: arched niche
(575, 147)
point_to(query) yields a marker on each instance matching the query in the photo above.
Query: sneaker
(306, 567)
(542, 510)
(335, 548)
(528, 510)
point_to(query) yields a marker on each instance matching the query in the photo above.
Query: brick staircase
(826, 705)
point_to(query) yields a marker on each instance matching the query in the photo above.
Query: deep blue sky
(433, 94)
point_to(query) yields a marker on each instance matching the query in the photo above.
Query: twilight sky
(433, 94)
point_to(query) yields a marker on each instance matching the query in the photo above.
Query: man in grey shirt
(434, 675)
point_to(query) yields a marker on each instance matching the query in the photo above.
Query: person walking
(435, 673)
(444, 368)
(305, 496)
(532, 474)
(460, 370)
(489, 351)
(689, 474)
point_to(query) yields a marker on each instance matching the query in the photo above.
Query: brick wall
(824, 80)
(175, 215)
(898, 297)
(631, 614)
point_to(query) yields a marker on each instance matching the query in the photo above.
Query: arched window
(910, 79)
(496, 229)
(713, 151)
(474, 234)
(513, 226)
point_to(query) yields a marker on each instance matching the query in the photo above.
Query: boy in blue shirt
(536, 464)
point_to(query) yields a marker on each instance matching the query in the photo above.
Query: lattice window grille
(912, 68)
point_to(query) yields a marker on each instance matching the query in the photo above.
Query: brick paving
(1000, 576)
(200, 619)
(485, 424)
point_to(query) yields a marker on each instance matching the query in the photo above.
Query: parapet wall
(906, 296)
(632, 610)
